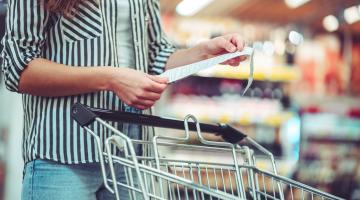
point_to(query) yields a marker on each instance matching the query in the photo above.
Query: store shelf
(340, 105)
(240, 110)
(271, 120)
(278, 74)
(334, 140)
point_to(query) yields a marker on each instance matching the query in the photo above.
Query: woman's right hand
(135, 88)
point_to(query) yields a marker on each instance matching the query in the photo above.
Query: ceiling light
(352, 15)
(191, 7)
(331, 23)
(295, 3)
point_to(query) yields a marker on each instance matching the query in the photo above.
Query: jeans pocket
(28, 176)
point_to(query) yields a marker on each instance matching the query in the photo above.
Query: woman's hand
(224, 44)
(136, 88)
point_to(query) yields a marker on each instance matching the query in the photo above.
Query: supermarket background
(304, 105)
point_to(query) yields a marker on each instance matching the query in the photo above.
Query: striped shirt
(87, 39)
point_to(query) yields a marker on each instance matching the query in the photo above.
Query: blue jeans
(45, 179)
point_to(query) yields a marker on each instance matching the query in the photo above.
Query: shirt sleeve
(160, 48)
(24, 38)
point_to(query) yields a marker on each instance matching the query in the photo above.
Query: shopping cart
(157, 177)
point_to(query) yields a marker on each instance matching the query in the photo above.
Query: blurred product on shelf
(330, 157)
(322, 68)
(355, 69)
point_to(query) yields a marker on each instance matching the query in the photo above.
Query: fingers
(153, 86)
(138, 102)
(156, 84)
(158, 79)
(226, 45)
(150, 93)
(238, 41)
(149, 96)
(231, 43)
(139, 90)
(242, 58)
(233, 62)
(142, 104)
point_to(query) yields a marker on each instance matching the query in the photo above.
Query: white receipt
(188, 70)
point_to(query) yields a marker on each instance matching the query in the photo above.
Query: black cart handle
(85, 116)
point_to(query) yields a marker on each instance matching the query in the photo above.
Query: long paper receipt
(190, 69)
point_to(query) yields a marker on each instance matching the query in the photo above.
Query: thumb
(158, 79)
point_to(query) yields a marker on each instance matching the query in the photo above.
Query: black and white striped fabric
(87, 39)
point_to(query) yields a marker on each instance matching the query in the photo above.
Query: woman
(104, 54)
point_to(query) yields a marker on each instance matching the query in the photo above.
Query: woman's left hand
(224, 44)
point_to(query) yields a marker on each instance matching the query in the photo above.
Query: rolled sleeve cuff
(14, 62)
(158, 64)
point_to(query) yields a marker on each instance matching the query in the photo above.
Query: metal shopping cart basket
(157, 177)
